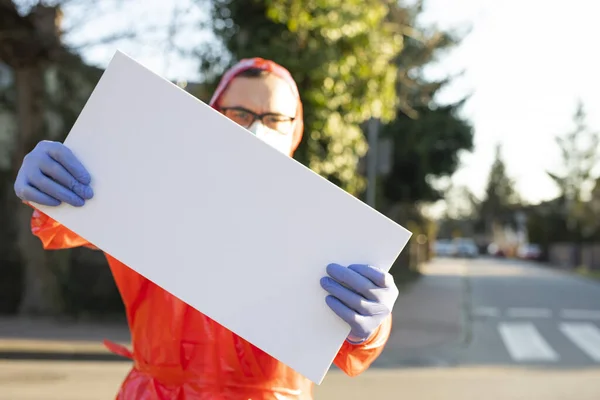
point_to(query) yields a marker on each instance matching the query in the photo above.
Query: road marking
(529, 312)
(486, 312)
(525, 343)
(585, 335)
(593, 315)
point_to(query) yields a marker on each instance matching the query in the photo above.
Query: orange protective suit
(179, 353)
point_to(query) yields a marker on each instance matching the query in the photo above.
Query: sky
(525, 64)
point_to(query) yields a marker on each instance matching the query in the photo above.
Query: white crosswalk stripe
(518, 312)
(486, 312)
(592, 315)
(534, 313)
(524, 342)
(585, 335)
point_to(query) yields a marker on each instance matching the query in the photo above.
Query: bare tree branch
(83, 18)
(23, 39)
(172, 31)
(105, 40)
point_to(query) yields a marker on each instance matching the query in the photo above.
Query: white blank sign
(204, 209)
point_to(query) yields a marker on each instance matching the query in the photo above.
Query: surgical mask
(278, 140)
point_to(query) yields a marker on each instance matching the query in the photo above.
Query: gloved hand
(51, 174)
(361, 295)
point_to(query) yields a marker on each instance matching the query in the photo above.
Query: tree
(460, 214)
(32, 45)
(500, 197)
(580, 155)
(29, 43)
(341, 55)
(546, 224)
(573, 215)
(461, 203)
(347, 57)
(427, 137)
(425, 147)
(593, 210)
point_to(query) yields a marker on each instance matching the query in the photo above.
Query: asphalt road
(522, 314)
(67, 380)
(527, 333)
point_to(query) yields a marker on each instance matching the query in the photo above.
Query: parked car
(495, 251)
(465, 247)
(444, 248)
(529, 252)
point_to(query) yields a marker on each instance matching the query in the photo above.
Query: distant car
(444, 248)
(529, 252)
(465, 247)
(495, 250)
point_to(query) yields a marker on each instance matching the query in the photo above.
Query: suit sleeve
(54, 235)
(354, 359)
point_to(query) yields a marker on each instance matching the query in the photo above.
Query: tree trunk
(398, 212)
(41, 291)
(41, 288)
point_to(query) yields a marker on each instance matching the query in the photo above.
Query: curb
(56, 350)
(56, 356)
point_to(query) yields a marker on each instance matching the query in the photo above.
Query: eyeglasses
(244, 117)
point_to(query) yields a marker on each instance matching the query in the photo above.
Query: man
(179, 353)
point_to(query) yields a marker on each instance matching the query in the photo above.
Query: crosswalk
(525, 343)
(586, 336)
(542, 336)
(531, 312)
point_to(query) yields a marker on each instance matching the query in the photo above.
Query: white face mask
(278, 140)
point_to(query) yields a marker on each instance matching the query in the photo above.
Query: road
(61, 380)
(521, 314)
(470, 329)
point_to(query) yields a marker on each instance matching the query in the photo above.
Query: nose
(255, 128)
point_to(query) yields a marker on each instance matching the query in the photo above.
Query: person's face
(264, 105)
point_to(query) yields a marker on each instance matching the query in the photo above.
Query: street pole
(373, 141)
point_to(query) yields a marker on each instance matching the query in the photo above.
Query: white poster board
(210, 213)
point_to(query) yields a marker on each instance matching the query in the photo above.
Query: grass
(588, 273)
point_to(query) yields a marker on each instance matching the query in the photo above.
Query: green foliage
(424, 147)
(501, 199)
(354, 60)
(546, 224)
(588, 273)
(461, 203)
(341, 54)
(427, 137)
(593, 210)
(580, 155)
(571, 217)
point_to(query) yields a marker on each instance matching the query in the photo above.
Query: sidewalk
(27, 380)
(47, 339)
(428, 314)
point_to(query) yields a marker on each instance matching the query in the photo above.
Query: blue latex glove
(361, 295)
(51, 175)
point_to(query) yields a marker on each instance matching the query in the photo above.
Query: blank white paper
(204, 209)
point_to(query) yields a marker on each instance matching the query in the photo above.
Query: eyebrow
(274, 113)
